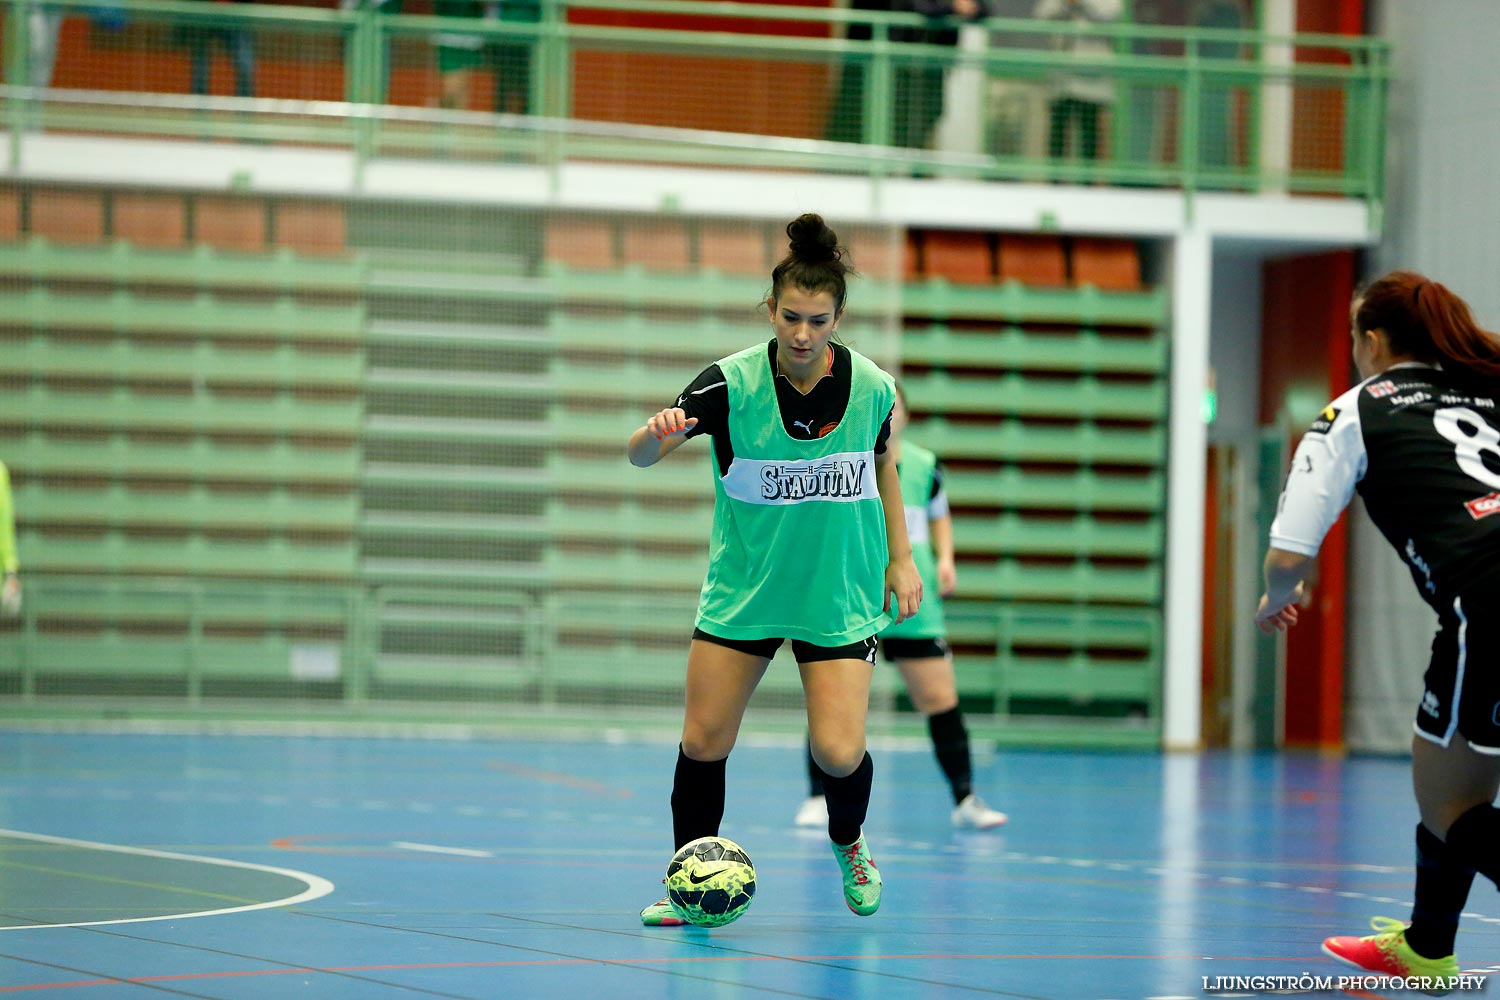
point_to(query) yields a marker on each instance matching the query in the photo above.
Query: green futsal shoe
(661, 914)
(861, 877)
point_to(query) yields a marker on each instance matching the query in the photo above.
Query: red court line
(559, 778)
(178, 977)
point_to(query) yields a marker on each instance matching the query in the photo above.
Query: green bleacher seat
(206, 410)
(700, 341)
(636, 286)
(197, 459)
(1081, 489)
(626, 569)
(201, 266)
(1008, 579)
(686, 472)
(1017, 349)
(628, 522)
(203, 315)
(476, 386)
(1016, 441)
(1078, 627)
(54, 357)
(58, 504)
(1085, 398)
(1013, 302)
(117, 551)
(649, 384)
(1013, 534)
(1079, 679)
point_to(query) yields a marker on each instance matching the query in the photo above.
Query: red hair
(1425, 321)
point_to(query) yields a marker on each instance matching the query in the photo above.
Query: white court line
(317, 887)
(463, 852)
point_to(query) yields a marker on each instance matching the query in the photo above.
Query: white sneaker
(973, 814)
(813, 812)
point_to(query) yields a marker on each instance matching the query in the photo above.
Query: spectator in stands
(1215, 135)
(918, 89)
(1079, 95)
(44, 25)
(459, 55)
(199, 40)
(511, 59)
(1140, 138)
(10, 567)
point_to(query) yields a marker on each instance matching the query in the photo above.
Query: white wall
(1234, 355)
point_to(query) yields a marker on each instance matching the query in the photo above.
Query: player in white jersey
(1419, 438)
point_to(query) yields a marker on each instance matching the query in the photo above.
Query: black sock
(848, 801)
(1442, 890)
(697, 798)
(1472, 841)
(814, 774)
(950, 741)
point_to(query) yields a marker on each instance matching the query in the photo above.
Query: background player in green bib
(10, 567)
(809, 544)
(918, 645)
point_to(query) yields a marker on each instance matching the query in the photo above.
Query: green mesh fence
(331, 455)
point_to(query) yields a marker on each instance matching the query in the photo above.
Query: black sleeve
(707, 398)
(937, 481)
(885, 433)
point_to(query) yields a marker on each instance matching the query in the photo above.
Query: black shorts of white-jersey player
(813, 385)
(1419, 439)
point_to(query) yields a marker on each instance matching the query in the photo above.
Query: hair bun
(812, 240)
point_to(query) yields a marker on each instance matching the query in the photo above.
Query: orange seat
(656, 244)
(733, 248)
(960, 256)
(874, 251)
(68, 216)
(1111, 264)
(581, 241)
(150, 220)
(311, 226)
(10, 214)
(1032, 259)
(229, 223)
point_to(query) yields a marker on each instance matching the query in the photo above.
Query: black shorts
(804, 652)
(1463, 682)
(915, 649)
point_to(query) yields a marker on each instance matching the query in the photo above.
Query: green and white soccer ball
(710, 882)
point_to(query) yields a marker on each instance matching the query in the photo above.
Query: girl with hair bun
(809, 544)
(1419, 439)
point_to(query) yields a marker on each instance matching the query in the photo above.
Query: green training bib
(798, 549)
(917, 467)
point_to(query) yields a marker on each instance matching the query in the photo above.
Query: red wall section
(759, 96)
(1304, 363)
(1318, 112)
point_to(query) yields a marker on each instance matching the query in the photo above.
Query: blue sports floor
(134, 866)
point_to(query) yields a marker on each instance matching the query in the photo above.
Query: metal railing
(1191, 108)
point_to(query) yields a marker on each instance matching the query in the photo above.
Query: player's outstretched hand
(1277, 617)
(903, 588)
(10, 595)
(669, 423)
